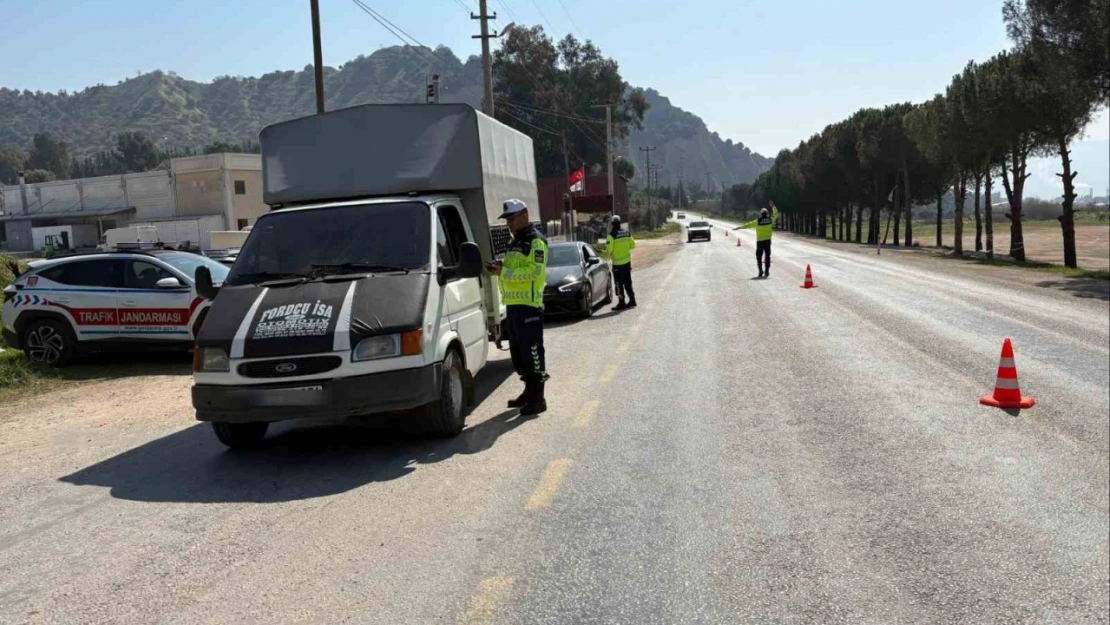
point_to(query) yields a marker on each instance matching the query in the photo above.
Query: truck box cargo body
(382, 150)
(364, 289)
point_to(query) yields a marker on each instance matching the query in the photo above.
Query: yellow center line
(549, 484)
(608, 373)
(587, 414)
(484, 602)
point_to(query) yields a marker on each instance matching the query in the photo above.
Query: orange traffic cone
(809, 279)
(1007, 394)
(738, 242)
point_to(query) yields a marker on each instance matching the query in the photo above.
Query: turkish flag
(578, 179)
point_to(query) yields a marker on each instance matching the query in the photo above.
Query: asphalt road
(733, 451)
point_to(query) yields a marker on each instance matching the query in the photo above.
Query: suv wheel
(240, 435)
(445, 417)
(48, 342)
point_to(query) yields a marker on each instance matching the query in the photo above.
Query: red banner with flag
(578, 180)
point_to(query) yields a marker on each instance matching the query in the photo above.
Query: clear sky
(767, 73)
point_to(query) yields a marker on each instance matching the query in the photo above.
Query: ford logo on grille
(286, 367)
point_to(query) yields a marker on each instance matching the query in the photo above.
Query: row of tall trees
(994, 116)
(48, 158)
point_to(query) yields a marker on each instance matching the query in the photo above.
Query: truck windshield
(295, 242)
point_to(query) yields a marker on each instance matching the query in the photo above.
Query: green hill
(178, 113)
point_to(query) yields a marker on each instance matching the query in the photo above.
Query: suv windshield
(563, 256)
(187, 264)
(699, 224)
(364, 237)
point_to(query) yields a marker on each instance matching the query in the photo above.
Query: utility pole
(647, 154)
(609, 150)
(570, 194)
(317, 56)
(487, 65)
(681, 189)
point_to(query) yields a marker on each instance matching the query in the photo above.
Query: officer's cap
(512, 207)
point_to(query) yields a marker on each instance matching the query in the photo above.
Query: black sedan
(577, 280)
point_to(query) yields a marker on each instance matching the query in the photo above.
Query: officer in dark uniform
(523, 275)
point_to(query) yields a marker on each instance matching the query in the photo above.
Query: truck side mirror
(203, 278)
(470, 265)
(470, 261)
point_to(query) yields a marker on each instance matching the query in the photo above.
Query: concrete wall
(199, 193)
(250, 205)
(195, 186)
(201, 182)
(151, 193)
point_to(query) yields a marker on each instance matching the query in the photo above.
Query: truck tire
(49, 343)
(445, 417)
(240, 435)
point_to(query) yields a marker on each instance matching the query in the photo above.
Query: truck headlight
(388, 346)
(377, 347)
(573, 286)
(210, 359)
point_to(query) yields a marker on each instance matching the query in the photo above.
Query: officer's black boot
(632, 303)
(760, 263)
(536, 402)
(620, 305)
(522, 399)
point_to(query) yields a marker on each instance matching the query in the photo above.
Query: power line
(529, 124)
(505, 5)
(573, 120)
(541, 129)
(462, 5)
(422, 49)
(577, 30)
(540, 110)
(546, 21)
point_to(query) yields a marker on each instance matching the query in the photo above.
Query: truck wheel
(240, 435)
(587, 307)
(445, 417)
(48, 342)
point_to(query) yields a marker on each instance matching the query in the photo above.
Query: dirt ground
(650, 251)
(1043, 241)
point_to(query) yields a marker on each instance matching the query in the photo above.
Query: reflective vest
(524, 270)
(620, 245)
(763, 225)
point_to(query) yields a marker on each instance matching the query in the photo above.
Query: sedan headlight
(573, 286)
(376, 347)
(210, 359)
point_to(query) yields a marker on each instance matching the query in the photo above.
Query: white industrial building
(198, 194)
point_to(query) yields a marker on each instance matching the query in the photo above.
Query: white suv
(105, 301)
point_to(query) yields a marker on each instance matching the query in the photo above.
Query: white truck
(364, 289)
(129, 238)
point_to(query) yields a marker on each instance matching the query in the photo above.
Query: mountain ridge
(177, 112)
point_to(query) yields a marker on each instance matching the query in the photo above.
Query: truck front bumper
(341, 397)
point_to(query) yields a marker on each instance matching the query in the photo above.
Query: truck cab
(376, 303)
